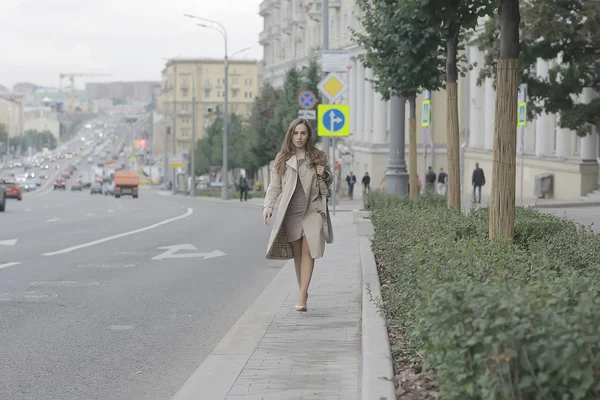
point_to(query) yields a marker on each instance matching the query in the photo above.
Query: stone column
(490, 113)
(543, 133)
(589, 143)
(380, 117)
(396, 174)
(563, 141)
(476, 101)
(360, 102)
(369, 92)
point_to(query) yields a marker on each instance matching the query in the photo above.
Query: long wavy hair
(315, 156)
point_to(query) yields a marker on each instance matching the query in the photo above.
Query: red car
(13, 191)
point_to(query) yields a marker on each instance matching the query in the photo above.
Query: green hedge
(491, 320)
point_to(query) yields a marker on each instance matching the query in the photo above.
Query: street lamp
(221, 29)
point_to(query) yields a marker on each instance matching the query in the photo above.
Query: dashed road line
(9, 264)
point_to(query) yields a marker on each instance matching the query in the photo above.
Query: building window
(245, 95)
(234, 94)
(250, 94)
(219, 94)
(250, 82)
(234, 81)
(248, 108)
(207, 81)
(218, 81)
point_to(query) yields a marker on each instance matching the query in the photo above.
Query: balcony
(335, 4)
(184, 112)
(264, 8)
(315, 10)
(263, 37)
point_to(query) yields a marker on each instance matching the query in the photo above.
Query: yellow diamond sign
(332, 86)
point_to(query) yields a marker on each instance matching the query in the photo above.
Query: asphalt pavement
(104, 298)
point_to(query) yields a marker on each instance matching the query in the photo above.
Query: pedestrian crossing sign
(522, 114)
(426, 113)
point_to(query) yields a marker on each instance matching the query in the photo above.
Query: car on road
(76, 187)
(12, 190)
(60, 184)
(109, 188)
(96, 187)
(126, 183)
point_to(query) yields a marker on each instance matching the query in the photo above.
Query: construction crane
(72, 77)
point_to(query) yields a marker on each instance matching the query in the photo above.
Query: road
(87, 313)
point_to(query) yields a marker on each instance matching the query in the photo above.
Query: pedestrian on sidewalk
(366, 182)
(430, 181)
(243, 183)
(478, 181)
(351, 181)
(300, 185)
(442, 182)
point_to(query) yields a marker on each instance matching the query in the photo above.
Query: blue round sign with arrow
(334, 120)
(307, 100)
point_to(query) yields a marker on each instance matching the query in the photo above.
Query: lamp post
(225, 167)
(221, 29)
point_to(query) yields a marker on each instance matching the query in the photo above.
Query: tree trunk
(502, 207)
(453, 137)
(412, 147)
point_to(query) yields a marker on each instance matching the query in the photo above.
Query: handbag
(325, 193)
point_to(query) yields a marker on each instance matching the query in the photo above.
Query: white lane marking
(9, 264)
(10, 242)
(28, 209)
(53, 220)
(110, 211)
(172, 252)
(46, 206)
(120, 235)
(90, 215)
(64, 284)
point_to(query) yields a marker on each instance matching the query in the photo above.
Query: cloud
(127, 38)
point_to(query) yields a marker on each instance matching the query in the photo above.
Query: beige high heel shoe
(303, 308)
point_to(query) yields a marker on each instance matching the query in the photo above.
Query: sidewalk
(275, 352)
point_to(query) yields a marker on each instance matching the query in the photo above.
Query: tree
(396, 42)
(502, 207)
(287, 104)
(264, 134)
(209, 149)
(567, 31)
(451, 18)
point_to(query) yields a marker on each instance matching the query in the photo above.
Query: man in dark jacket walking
(478, 182)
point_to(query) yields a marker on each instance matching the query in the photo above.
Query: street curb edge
(377, 366)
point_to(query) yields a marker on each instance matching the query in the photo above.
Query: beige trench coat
(277, 200)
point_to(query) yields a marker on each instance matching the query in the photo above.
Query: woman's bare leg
(307, 266)
(297, 249)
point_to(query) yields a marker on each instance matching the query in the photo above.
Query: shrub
(491, 320)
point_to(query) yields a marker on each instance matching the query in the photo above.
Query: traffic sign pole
(325, 46)
(523, 99)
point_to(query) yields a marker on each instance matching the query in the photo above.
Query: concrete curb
(217, 374)
(377, 365)
(568, 205)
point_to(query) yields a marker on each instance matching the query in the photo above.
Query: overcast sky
(127, 38)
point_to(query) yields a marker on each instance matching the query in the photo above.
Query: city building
(548, 149)
(181, 75)
(42, 124)
(124, 91)
(292, 37)
(11, 113)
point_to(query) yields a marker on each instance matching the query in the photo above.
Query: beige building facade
(182, 77)
(11, 113)
(42, 124)
(543, 147)
(292, 37)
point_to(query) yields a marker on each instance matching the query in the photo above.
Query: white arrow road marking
(172, 252)
(10, 242)
(10, 264)
(53, 220)
(120, 235)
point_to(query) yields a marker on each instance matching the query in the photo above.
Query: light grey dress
(292, 223)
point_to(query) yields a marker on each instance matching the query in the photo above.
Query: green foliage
(551, 29)
(405, 54)
(264, 133)
(209, 149)
(34, 139)
(116, 101)
(311, 78)
(3, 133)
(287, 104)
(491, 320)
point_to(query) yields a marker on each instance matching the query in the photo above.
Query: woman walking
(299, 188)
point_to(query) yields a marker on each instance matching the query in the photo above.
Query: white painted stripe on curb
(377, 365)
(10, 264)
(120, 235)
(217, 374)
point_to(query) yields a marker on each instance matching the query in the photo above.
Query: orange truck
(126, 183)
